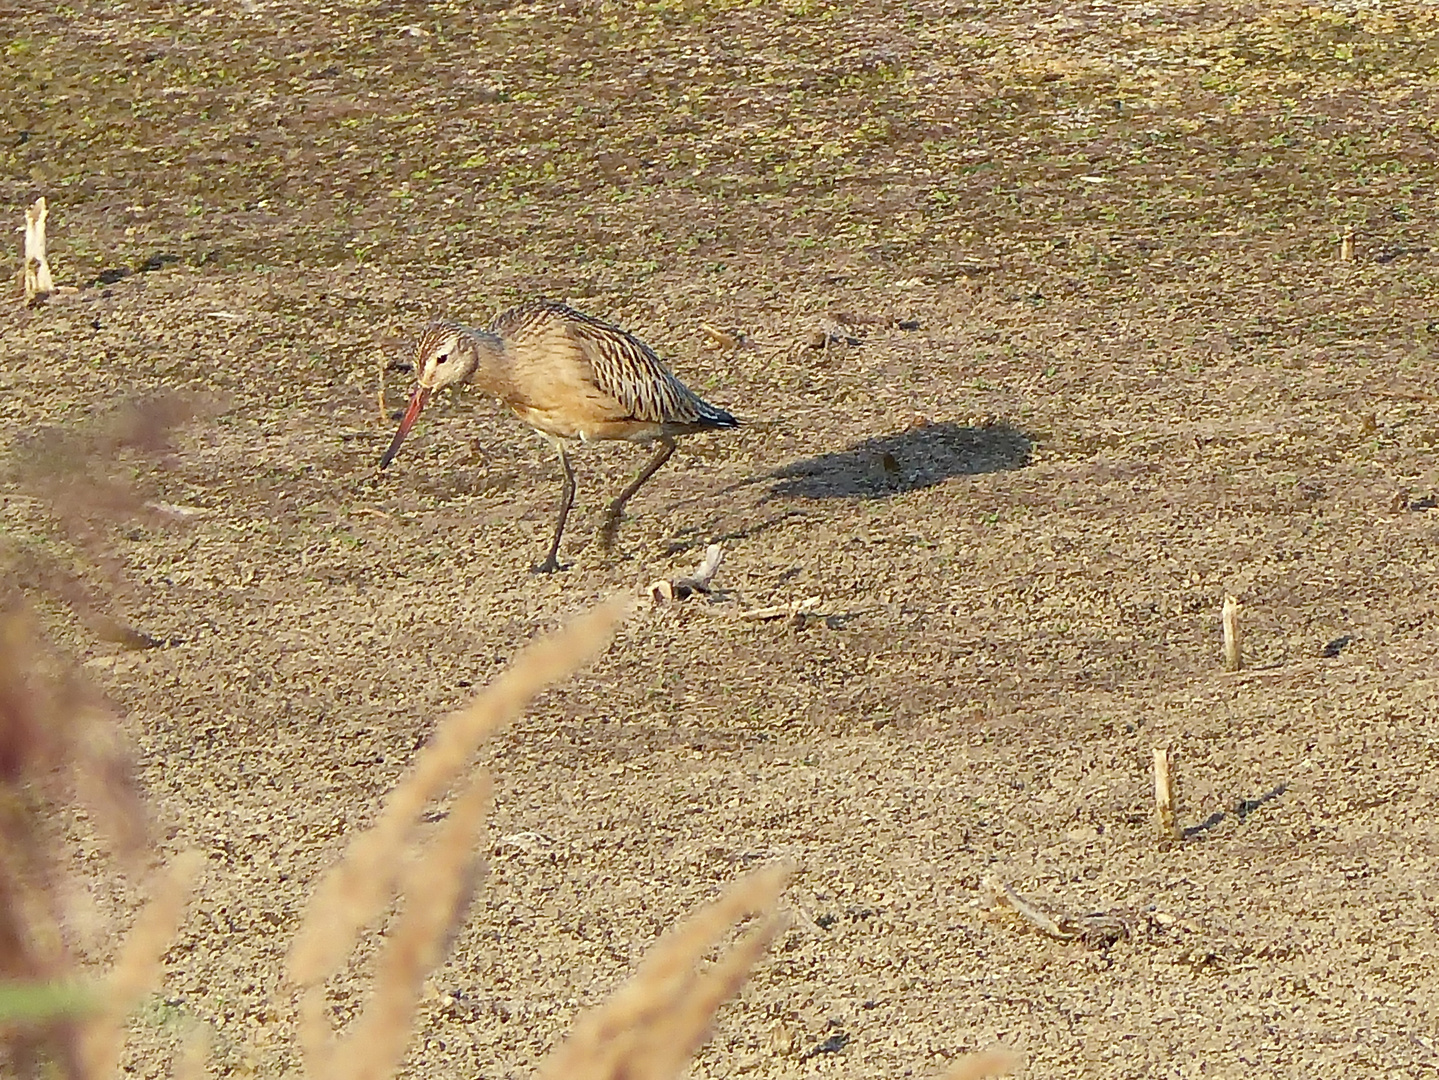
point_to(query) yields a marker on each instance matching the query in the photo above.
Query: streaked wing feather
(624, 367)
(629, 371)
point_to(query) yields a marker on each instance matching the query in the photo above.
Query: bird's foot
(549, 566)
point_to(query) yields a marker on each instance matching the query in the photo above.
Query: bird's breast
(567, 424)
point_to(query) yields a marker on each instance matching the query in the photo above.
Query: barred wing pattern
(624, 367)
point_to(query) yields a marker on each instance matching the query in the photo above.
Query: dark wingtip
(719, 418)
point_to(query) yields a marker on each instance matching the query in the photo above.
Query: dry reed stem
(652, 1025)
(78, 473)
(137, 968)
(192, 1062)
(1233, 649)
(313, 1032)
(986, 1063)
(437, 887)
(667, 1047)
(105, 780)
(1164, 799)
(355, 890)
(38, 284)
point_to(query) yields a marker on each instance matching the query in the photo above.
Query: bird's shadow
(919, 457)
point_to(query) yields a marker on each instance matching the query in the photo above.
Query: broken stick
(38, 283)
(1098, 928)
(1233, 656)
(1164, 797)
(698, 582)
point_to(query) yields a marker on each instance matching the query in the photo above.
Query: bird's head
(444, 356)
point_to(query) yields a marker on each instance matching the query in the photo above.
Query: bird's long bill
(417, 402)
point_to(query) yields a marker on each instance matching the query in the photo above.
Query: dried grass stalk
(137, 968)
(79, 475)
(1233, 650)
(669, 1046)
(38, 284)
(105, 780)
(313, 1033)
(354, 892)
(59, 740)
(1164, 799)
(438, 887)
(49, 732)
(192, 1062)
(651, 1027)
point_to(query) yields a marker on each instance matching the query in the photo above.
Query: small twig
(1020, 906)
(698, 582)
(38, 283)
(792, 610)
(1164, 796)
(1096, 929)
(721, 338)
(1233, 654)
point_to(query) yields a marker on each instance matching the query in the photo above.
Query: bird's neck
(490, 360)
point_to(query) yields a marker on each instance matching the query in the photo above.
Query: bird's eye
(442, 358)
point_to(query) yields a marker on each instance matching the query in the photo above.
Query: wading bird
(569, 376)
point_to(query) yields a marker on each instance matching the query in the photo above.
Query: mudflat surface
(1142, 378)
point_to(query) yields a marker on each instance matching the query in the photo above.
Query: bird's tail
(712, 416)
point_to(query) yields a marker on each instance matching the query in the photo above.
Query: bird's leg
(610, 531)
(567, 499)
